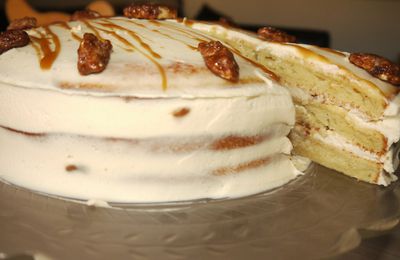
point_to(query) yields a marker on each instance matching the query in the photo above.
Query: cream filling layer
(388, 160)
(389, 126)
(149, 60)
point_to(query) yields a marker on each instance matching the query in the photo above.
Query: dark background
(315, 37)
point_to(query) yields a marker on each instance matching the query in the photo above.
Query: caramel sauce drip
(172, 38)
(48, 55)
(159, 32)
(133, 35)
(23, 133)
(66, 26)
(271, 74)
(156, 23)
(132, 47)
(93, 29)
(129, 46)
(191, 34)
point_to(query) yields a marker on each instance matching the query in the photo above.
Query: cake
(129, 110)
(347, 105)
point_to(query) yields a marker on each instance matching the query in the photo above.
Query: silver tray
(320, 214)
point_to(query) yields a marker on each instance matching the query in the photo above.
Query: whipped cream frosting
(116, 136)
(150, 59)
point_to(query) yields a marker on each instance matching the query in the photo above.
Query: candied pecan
(93, 54)
(377, 66)
(219, 59)
(23, 23)
(275, 35)
(13, 39)
(150, 11)
(84, 14)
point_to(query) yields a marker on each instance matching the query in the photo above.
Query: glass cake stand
(320, 214)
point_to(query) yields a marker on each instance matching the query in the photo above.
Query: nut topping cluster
(377, 66)
(150, 11)
(275, 35)
(84, 14)
(13, 39)
(220, 60)
(93, 54)
(23, 24)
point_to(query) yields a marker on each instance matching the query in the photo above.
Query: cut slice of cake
(346, 119)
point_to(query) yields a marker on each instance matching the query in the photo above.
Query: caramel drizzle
(132, 47)
(93, 29)
(133, 35)
(271, 74)
(22, 132)
(172, 38)
(68, 28)
(49, 55)
(161, 33)
(194, 35)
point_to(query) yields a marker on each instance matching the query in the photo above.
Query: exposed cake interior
(346, 119)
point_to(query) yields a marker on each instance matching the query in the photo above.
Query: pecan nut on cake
(139, 110)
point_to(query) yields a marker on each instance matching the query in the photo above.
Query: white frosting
(301, 163)
(117, 131)
(55, 112)
(123, 172)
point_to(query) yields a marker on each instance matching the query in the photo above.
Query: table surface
(320, 214)
(384, 247)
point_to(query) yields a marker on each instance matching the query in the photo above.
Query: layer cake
(156, 125)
